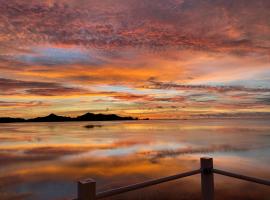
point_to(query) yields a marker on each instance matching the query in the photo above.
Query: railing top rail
(145, 184)
(242, 177)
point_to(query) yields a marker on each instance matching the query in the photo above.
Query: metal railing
(87, 188)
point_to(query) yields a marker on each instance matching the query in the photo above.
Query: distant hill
(101, 117)
(9, 120)
(57, 118)
(51, 118)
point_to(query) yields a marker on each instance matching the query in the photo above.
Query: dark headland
(57, 118)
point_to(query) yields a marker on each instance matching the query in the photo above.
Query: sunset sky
(141, 58)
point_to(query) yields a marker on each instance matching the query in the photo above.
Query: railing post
(207, 179)
(87, 190)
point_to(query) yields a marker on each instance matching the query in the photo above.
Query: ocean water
(43, 161)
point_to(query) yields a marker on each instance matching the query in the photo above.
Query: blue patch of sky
(120, 88)
(261, 80)
(207, 98)
(60, 56)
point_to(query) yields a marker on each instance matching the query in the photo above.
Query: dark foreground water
(43, 161)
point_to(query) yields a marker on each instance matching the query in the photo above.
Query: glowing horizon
(139, 58)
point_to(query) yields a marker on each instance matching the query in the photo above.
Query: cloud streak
(230, 88)
(15, 87)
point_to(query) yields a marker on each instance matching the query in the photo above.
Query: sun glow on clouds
(146, 58)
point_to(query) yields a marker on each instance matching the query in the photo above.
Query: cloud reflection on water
(128, 152)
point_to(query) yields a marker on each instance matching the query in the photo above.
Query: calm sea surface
(43, 161)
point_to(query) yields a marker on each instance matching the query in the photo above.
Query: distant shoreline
(113, 117)
(57, 118)
(145, 119)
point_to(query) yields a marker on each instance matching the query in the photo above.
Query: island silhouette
(58, 118)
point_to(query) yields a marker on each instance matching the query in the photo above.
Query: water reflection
(44, 160)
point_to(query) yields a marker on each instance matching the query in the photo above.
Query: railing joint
(207, 170)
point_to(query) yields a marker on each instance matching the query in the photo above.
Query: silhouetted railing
(87, 188)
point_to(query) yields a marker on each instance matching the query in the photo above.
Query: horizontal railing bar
(242, 177)
(145, 184)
